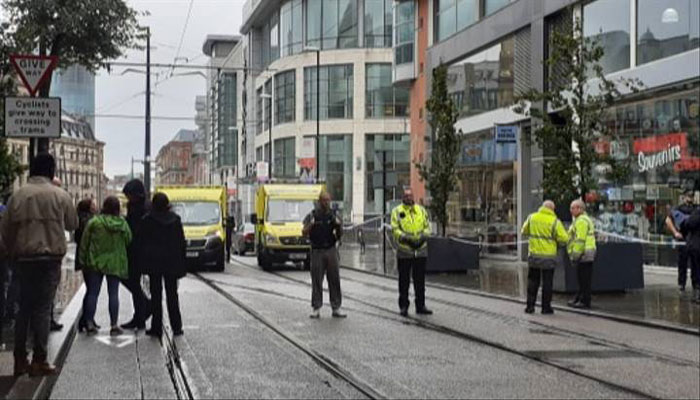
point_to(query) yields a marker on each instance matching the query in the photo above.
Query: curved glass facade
(75, 86)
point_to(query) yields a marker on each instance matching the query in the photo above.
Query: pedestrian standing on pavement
(160, 253)
(4, 280)
(33, 230)
(673, 223)
(137, 207)
(582, 249)
(86, 210)
(691, 231)
(103, 255)
(544, 232)
(230, 227)
(324, 228)
(411, 228)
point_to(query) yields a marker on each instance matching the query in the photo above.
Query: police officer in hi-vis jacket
(411, 228)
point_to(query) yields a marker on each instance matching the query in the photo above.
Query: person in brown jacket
(33, 230)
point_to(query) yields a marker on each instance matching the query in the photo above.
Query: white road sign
(33, 117)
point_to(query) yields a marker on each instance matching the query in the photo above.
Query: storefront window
(484, 81)
(335, 169)
(378, 23)
(659, 138)
(397, 168)
(331, 24)
(336, 87)
(665, 28)
(405, 32)
(607, 21)
(382, 98)
(285, 158)
(485, 204)
(285, 92)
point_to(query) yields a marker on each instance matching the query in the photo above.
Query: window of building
(291, 16)
(331, 24)
(405, 32)
(378, 21)
(454, 15)
(382, 98)
(491, 6)
(336, 87)
(608, 23)
(259, 154)
(397, 168)
(483, 81)
(665, 28)
(285, 92)
(266, 152)
(226, 132)
(335, 169)
(285, 158)
(258, 111)
(270, 35)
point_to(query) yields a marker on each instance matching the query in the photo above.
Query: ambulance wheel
(221, 262)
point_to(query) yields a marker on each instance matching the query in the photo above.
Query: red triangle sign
(33, 70)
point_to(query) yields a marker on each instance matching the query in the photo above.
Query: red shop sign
(660, 143)
(687, 164)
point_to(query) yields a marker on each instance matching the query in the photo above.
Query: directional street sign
(33, 117)
(33, 70)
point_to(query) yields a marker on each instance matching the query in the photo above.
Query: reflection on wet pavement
(659, 300)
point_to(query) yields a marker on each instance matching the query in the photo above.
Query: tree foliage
(570, 115)
(440, 176)
(85, 32)
(10, 167)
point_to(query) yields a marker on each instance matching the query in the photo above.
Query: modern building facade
(494, 50)
(364, 119)
(75, 85)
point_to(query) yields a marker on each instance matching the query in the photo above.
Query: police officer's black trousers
(534, 276)
(684, 261)
(412, 267)
(584, 273)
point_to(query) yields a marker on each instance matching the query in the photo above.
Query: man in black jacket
(691, 231)
(137, 207)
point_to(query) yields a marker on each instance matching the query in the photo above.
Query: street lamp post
(318, 106)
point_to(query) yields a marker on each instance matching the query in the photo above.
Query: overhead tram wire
(109, 64)
(182, 36)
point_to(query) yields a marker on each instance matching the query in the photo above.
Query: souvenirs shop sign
(658, 151)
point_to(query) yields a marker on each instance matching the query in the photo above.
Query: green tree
(440, 176)
(84, 32)
(10, 168)
(570, 115)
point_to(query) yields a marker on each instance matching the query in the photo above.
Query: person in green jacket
(544, 232)
(103, 254)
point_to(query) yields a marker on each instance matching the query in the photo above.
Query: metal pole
(147, 157)
(318, 113)
(384, 210)
(269, 152)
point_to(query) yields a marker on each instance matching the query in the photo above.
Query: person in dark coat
(86, 210)
(137, 207)
(161, 255)
(691, 231)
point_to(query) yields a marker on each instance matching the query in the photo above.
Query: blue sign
(506, 133)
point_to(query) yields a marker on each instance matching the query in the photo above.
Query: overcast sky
(124, 94)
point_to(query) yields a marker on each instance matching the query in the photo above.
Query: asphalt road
(248, 335)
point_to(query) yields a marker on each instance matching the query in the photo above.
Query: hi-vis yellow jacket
(582, 239)
(410, 222)
(544, 232)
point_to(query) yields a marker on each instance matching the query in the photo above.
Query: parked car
(243, 239)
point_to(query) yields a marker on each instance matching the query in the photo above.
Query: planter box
(617, 267)
(446, 255)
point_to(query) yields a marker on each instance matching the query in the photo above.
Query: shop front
(484, 206)
(658, 137)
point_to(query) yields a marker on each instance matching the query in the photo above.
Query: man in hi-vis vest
(544, 232)
(411, 228)
(581, 251)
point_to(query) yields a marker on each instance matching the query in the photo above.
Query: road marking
(116, 341)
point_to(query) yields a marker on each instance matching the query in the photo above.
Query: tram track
(436, 327)
(319, 358)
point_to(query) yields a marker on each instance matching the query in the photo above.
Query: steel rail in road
(322, 360)
(476, 339)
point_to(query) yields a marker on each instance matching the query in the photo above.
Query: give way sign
(33, 70)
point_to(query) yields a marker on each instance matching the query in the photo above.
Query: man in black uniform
(324, 228)
(230, 227)
(673, 223)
